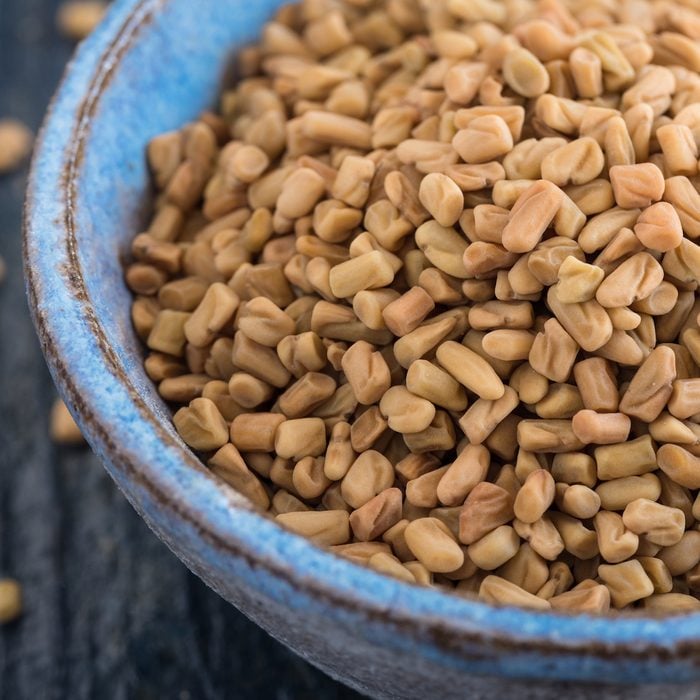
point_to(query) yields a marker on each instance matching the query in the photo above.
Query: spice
(15, 144)
(62, 426)
(10, 600)
(77, 18)
(425, 291)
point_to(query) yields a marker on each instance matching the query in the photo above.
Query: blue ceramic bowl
(151, 66)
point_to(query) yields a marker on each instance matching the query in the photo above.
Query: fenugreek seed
(463, 80)
(62, 426)
(432, 543)
(367, 271)
(442, 198)
(525, 74)
(484, 139)
(336, 129)
(329, 527)
(658, 523)
(627, 582)
(586, 322)
(212, 313)
(679, 465)
(578, 281)
(615, 540)
(632, 458)
(659, 227)
(353, 180)
(77, 18)
(495, 548)
(637, 186)
(367, 372)
(406, 313)
(255, 432)
(530, 216)
(578, 539)
(494, 589)
(535, 496)
(679, 149)
(547, 436)
(201, 425)
(228, 464)
(300, 437)
(470, 370)
(370, 474)
(576, 163)
(589, 599)
(685, 199)
(553, 352)
(600, 428)
(484, 416)
(651, 386)
(377, 516)
(405, 412)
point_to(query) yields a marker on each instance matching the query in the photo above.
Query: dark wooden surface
(110, 612)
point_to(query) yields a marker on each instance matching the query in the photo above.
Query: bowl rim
(451, 622)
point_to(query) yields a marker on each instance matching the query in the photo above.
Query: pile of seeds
(425, 291)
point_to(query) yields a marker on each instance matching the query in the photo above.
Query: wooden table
(110, 612)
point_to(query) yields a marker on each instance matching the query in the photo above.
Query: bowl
(151, 66)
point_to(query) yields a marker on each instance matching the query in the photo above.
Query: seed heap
(426, 292)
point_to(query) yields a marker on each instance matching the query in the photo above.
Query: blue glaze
(151, 66)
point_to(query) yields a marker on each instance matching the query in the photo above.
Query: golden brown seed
(659, 227)
(336, 129)
(685, 398)
(228, 464)
(441, 196)
(353, 180)
(576, 163)
(483, 139)
(547, 436)
(651, 386)
(679, 149)
(468, 470)
(15, 144)
(680, 465)
(578, 500)
(631, 458)
(370, 474)
(574, 468)
(301, 437)
(535, 496)
(637, 186)
(377, 516)
(406, 313)
(300, 193)
(367, 372)
(524, 73)
(201, 425)
(434, 384)
(405, 412)
(495, 589)
(62, 427)
(683, 556)
(658, 523)
(486, 507)
(495, 548)
(686, 200)
(77, 18)
(578, 539)
(432, 543)
(370, 270)
(327, 527)
(531, 214)
(627, 582)
(553, 352)
(615, 541)
(586, 322)
(484, 416)
(463, 80)
(470, 370)
(589, 599)
(214, 311)
(255, 432)
(600, 428)
(578, 281)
